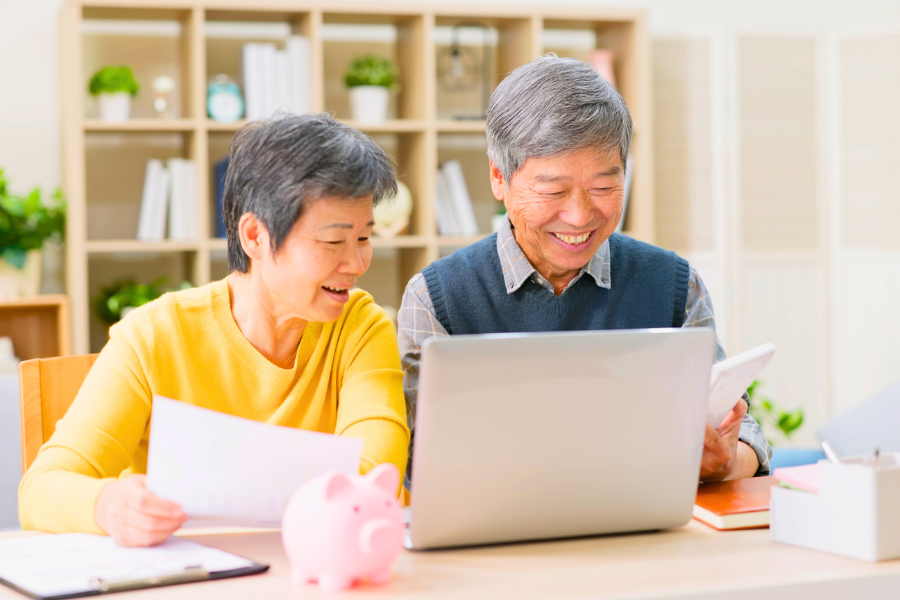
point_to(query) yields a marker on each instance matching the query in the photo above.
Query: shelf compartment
(470, 149)
(399, 38)
(490, 47)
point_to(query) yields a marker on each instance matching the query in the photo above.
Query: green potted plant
(117, 300)
(114, 86)
(778, 424)
(26, 222)
(370, 79)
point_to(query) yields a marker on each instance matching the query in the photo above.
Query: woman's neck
(274, 334)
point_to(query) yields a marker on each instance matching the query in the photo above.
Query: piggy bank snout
(379, 535)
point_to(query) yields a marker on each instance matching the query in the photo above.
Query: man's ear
(498, 182)
(253, 235)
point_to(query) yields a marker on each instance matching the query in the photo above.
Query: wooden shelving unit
(104, 163)
(38, 325)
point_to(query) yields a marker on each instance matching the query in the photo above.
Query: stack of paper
(277, 79)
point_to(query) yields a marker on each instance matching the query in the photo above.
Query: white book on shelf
(160, 204)
(269, 66)
(629, 177)
(175, 214)
(148, 199)
(193, 210)
(299, 72)
(252, 82)
(446, 220)
(282, 81)
(459, 198)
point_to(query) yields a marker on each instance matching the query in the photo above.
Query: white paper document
(730, 378)
(59, 565)
(226, 467)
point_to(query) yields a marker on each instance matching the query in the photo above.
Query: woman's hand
(132, 516)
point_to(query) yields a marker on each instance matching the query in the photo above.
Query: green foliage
(772, 418)
(27, 221)
(112, 80)
(371, 70)
(128, 293)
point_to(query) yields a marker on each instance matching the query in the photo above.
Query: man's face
(563, 208)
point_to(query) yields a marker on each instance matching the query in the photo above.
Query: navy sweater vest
(649, 289)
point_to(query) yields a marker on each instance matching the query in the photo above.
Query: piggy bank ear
(386, 477)
(337, 484)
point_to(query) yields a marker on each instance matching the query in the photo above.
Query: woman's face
(328, 248)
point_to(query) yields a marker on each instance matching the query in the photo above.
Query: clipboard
(74, 565)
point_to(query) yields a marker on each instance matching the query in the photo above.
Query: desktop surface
(692, 561)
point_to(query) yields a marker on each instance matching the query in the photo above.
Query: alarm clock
(224, 102)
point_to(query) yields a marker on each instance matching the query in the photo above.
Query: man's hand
(724, 456)
(132, 516)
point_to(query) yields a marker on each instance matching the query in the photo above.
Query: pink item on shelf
(803, 477)
(339, 529)
(602, 61)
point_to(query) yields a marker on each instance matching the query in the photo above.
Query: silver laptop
(549, 435)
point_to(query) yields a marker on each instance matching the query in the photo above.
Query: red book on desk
(738, 504)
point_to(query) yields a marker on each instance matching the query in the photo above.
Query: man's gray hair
(553, 106)
(279, 165)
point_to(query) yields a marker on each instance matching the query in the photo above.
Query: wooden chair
(47, 387)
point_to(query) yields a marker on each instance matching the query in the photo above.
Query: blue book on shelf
(221, 169)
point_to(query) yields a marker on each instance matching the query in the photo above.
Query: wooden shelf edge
(141, 125)
(137, 246)
(461, 126)
(48, 300)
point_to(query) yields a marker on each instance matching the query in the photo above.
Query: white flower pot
(115, 108)
(15, 283)
(369, 103)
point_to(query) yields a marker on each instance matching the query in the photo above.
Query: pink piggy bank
(338, 528)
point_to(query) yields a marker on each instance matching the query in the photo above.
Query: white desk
(690, 562)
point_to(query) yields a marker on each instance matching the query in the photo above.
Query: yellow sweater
(186, 345)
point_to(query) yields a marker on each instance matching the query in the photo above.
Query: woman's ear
(498, 183)
(253, 235)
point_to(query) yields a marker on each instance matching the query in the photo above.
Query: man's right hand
(132, 516)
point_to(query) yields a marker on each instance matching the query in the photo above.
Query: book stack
(169, 201)
(455, 216)
(277, 79)
(736, 504)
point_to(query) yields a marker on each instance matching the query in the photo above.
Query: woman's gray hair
(278, 165)
(553, 106)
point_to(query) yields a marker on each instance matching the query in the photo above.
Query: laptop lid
(546, 435)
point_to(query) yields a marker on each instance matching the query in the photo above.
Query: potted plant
(370, 79)
(26, 222)
(114, 86)
(117, 300)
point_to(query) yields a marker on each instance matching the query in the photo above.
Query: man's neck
(558, 279)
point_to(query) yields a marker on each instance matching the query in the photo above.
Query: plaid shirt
(417, 321)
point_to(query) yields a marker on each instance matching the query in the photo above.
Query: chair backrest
(47, 387)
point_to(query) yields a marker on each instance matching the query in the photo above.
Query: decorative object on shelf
(114, 87)
(163, 86)
(117, 300)
(461, 70)
(224, 102)
(602, 61)
(26, 222)
(778, 425)
(392, 214)
(340, 528)
(370, 79)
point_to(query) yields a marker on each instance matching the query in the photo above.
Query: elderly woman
(281, 340)
(557, 136)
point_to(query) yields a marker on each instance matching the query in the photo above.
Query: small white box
(856, 512)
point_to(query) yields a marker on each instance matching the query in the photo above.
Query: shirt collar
(516, 268)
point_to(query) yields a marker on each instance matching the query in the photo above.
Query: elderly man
(557, 136)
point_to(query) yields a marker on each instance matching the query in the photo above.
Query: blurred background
(767, 153)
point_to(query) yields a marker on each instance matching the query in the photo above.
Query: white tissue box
(856, 512)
